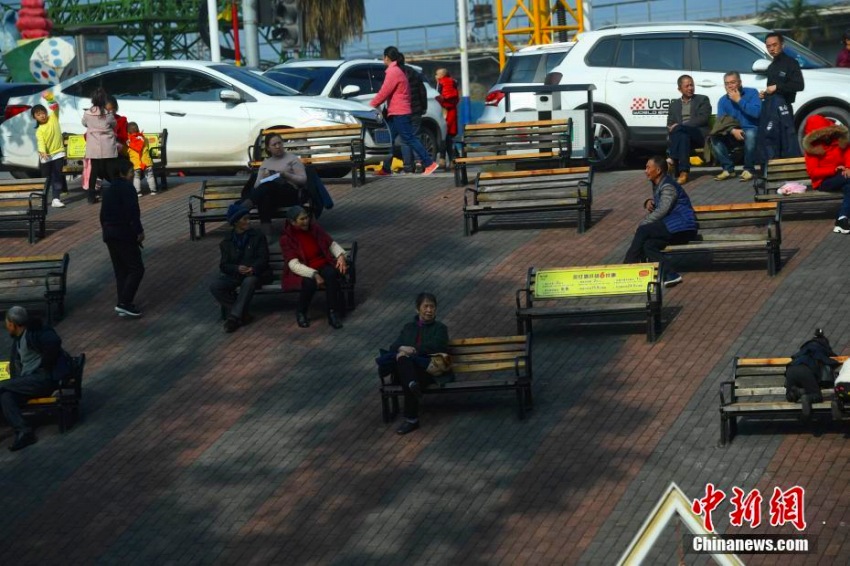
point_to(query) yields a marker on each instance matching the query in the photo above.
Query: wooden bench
(25, 201)
(790, 170)
(591, 291)
(64, 402)
(719, 231)
(757, 389)
(75, 152)
(325, 145)
(512, 142)
(346, 287)
(543, 190)
(499, 363)
(34, 280)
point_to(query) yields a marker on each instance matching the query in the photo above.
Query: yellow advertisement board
(596, 280)
(76, 147)
(4, 371)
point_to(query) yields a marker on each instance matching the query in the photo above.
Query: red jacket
(826, 148)
(448, 99)
(395, 90)
(291, 249)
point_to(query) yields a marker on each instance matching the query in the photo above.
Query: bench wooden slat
(514, 157)
(559, 172)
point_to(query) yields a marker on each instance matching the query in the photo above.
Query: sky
(385, 14)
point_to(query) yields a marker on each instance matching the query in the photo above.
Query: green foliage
(796, 18)
(332, 23)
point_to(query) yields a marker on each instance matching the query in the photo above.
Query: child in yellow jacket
(51, 150)
(138, 150)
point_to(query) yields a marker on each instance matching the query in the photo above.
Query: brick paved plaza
(266, 446)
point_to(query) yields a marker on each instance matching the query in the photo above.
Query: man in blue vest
(670, 220)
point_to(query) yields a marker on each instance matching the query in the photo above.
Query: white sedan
(213, 112)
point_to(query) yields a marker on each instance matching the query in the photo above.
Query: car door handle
(179, 114)
(624, 80)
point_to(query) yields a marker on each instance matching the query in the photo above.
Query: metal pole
(587, 16)
(234, 16)
(464, 64)
(212, 21)
(252, 35)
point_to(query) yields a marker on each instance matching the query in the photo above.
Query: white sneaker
(57, 203)
(139, 194)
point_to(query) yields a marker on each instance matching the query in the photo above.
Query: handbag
(440, 364)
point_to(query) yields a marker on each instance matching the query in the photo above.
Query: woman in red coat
(312, 259)
(448, 99)
(827, 149)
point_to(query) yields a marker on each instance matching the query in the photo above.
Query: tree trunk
(329, 49)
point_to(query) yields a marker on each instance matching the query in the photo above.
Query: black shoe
(406, 427)
(22, 440)
(806, 406)
(231, 324)
(302, 320)
(130, 310)
(333, 320)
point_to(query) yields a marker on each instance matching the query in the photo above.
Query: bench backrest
(218, 194)
(787, 170)
(572, 182)
(44, 272)
(16, 194)
(313, 144)
(764, 377)
(497, 353)
(593, 281)
(739, 214)
(518, 136)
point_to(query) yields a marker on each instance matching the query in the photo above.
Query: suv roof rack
(663, 24)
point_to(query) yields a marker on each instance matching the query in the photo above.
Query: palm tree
(332, 23)
(798, 17)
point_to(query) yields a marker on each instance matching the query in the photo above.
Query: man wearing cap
(244, 266)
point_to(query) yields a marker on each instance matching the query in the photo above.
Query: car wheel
(835, 113)
(429, 139)
(609, 142)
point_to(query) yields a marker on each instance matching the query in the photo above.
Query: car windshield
(804, 56)
(526, 68)
(257, 82)
(306, 80)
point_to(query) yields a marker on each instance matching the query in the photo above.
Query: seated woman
(827, 150)
(418, 339)
(312, 259)
(279, 181)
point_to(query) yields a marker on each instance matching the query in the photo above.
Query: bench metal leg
(385, 408)
(520, 397)
(581, 220)
(191, 231)
(771, 263)
(466, 219)
(723, 427)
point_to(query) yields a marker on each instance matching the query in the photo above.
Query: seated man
(687, 125)
(244, 266)
(741, 105)
(671, 220)
(37, 365)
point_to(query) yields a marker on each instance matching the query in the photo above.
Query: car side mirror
(760, 66)
(350, 90)
(228, 95)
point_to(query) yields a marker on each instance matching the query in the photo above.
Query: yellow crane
(535, 22)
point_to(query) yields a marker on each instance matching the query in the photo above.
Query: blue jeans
(720, 147)
(401, 126)
(406, 150)
(833, 185)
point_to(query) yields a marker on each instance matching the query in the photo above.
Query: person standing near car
(396, 93)
(51, 150)
(448, 99)
(777, 132)
(101, 145)
(784, 76)
(843, 58)
(687, 125)
(418, 106)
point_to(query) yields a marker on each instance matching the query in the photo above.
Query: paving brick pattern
(266, 446)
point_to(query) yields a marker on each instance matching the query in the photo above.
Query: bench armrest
(760, 185)
(474, 194)
(517, 361)
(653, 289)
(731, 386)
(528, 301)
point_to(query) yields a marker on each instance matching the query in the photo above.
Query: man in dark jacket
(244, 266)
(784, 76)
(121, 222)
(37, 364)
(418, 107)
(687, 125)
(671, 220)
(777, 135)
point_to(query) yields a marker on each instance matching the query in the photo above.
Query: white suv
(360, 80)
(635, 68)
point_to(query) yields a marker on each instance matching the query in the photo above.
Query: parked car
(635, 68)
(357, 79)
(213, 112)
(12, 90)
(527, 66)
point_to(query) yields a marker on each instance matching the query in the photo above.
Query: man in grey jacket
(687, 126)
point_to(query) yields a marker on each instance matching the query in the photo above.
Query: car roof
(329, 63)
(613, 29)
(545, 47)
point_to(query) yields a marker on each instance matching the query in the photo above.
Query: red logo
(643, 273)
(639, 103)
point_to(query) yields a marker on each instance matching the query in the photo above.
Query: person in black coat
(244, 266)
(121, 222)
(687, 126)
(784, 76)
(37, 364)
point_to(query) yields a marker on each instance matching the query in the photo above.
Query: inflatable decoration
(33, 22)
(50, 60)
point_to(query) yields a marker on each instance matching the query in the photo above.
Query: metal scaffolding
(535, 22)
